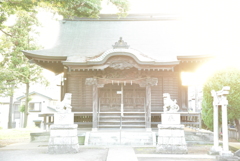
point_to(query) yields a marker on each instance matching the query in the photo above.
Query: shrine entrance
(122, 98)
(121, 106)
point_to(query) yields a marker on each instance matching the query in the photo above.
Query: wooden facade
(134, 94)
(112, 83)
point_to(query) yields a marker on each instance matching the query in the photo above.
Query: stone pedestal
(63, 118)
(215, 150)
(63, 135)
(171, 136)
(170, 119)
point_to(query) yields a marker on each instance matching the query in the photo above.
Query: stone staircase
(114, 120)
(134, 138)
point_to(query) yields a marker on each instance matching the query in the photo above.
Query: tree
(15, 65)
(227, 77)
(66, 8)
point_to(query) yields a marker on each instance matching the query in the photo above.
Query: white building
(38, 103)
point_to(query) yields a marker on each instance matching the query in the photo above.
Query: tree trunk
(10, 108)
(237, 126)
(26, 106)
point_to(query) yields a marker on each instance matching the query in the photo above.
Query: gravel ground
(6, 142)
(193, 149)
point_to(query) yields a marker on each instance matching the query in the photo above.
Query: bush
(227, 77)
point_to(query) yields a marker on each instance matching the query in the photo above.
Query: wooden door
(133, 98)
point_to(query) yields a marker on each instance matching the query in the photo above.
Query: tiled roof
(154, 38)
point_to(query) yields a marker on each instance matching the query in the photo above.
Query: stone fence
(233, 134)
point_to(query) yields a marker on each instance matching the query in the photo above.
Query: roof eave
(206, 56)
(29, 55)
(152, 63)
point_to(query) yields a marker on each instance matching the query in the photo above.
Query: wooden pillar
(148, 82)
(94, 83)
(45, 122)
(64, 84)
(95, 107)
(148, 107)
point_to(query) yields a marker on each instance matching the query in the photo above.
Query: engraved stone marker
(170, 119)
(63, 118)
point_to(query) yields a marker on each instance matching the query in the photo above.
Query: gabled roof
(149, 37)
(34, 93)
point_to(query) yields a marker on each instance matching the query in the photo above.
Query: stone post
(216, 148)
(220, 99)
(224, 103)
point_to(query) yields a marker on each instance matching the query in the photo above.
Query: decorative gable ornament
(120, 44)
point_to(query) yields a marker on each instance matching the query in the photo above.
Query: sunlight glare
(50, 28)
(208, 69)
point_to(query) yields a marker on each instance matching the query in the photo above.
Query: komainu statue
(169, 105)
(65, 104)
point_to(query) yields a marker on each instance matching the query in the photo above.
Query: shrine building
(117, 69)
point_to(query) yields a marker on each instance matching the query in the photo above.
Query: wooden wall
(81, 94)
(168, 82)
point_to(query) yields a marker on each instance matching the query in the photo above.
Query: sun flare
(200, 76)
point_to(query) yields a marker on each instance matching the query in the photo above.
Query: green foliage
(227, 77)
(15, 68)
(82, 8)
(21, 108)
(66, 8)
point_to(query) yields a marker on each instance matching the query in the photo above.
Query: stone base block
(63, 127)
(227, 158)
(63, 139)
(215, 150)
(171, 149)
(171, 139)
(61, 149)
(120, 138)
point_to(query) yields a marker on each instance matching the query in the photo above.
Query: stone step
(110, 116)
(125, 116)
(111, 125)
(133, 117)
(116, 121)
(133, 125)
(130, 121)
(118, 126)
(120, 138)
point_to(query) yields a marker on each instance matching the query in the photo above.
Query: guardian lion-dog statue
(169, 105)
(65, 104)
